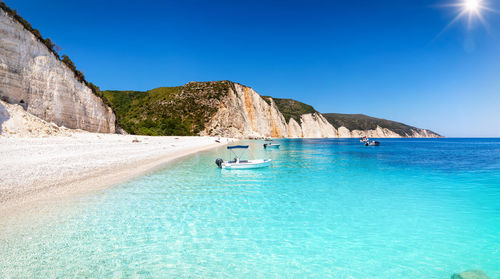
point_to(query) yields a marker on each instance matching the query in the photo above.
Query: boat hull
(250, 164)
(271, 146)
(373, 143)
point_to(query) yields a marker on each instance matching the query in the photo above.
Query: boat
(237, 163)
(270, 144)
(372, 143)
(369, 142)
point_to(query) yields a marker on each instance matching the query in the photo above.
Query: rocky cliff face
(243, 113)
(359, 125)
(16, 122)
(380, 132)
(228, 109)
(32, 76)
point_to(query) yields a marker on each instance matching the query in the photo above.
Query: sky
(394, 59)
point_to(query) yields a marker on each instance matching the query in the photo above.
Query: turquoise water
(325, 209)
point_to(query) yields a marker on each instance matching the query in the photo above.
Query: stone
(470, 274)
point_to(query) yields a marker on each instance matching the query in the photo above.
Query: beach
(40, 168)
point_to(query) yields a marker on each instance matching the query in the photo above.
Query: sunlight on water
(326, 208)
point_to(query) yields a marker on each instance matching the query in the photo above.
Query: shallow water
(329, 208)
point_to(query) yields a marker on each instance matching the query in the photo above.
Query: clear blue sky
(383, 58)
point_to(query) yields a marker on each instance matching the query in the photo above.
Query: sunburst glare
(472, 6)
(469, 10)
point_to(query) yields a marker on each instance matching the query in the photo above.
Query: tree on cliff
(48, 42)
(66, 60)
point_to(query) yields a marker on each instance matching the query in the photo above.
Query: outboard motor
(219, 162)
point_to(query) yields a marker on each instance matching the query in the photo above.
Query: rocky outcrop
(312, 125)
(16, 122)
(228, 109)
(359, 125)
(380, 132)
(470, 274)
(243, 113)
(34, 77)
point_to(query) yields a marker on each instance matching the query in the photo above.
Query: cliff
(228, 109)
(16, 122)
(31, 75)
(358, 125)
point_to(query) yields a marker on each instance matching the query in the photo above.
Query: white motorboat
(237, 163)
(270, 144)
(246, 164)
(372, 143)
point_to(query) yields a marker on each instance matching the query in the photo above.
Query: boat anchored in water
(372, 143)
(237, 163)
(270, 144)
(369, 142)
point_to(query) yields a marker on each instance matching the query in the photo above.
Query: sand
(40, 168)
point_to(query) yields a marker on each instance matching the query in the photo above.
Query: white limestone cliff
(34, 77)
(312, 125)
(16, 122)
(243, 113)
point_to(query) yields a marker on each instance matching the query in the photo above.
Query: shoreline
(75, 166)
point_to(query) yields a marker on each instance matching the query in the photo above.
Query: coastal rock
(314, 125)
(16, 122)
(243, 113)
(470, 274)
(360, 125)
(32, 76)
(294, 129)
(229, 109)
(379, 132)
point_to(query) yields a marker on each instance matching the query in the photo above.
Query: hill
(363, 122)
(180, 111)
(229, 109)
(291, 108)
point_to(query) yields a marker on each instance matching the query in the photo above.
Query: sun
(471, 10)
(472, 6)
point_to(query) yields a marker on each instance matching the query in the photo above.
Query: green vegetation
(293, 109)
(50, 46)
(165, 111)
(267, 99)
(363, 122)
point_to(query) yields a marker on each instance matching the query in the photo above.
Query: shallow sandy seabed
(33, 169)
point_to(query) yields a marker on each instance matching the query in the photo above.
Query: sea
(325, 208)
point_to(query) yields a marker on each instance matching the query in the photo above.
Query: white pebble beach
(33, 169)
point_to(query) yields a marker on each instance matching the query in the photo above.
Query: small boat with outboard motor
(372, 143)
(367, 142)
(237, 163)
(270, 144)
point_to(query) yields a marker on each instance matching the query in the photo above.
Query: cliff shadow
(4, 115)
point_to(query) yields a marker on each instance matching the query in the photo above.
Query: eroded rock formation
(34, 77)
(243, 113)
